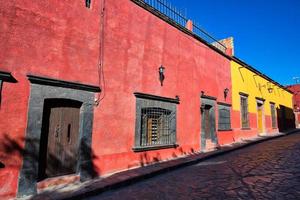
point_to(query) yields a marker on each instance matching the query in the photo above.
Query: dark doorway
(60, 138)
(207, 122)
(208, 132)
(285, 118)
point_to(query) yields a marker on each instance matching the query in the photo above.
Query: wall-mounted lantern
(226, 90)
(270, 89)
(161, 72)
(88, 3)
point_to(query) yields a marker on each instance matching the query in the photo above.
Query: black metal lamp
(161, 72)
(226, 90)
(270, 89)
(88, 3)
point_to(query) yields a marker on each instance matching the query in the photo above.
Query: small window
(244, 111)
(155, 122)
(156, 127)
(273, 115)
(224, 118)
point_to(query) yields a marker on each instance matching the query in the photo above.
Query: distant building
(296, 101)
(89, 89)
(260, 105)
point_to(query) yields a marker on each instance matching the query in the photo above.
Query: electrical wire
(100, 64)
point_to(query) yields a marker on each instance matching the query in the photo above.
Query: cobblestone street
(269, 170)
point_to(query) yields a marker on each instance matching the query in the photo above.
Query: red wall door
(63, 137)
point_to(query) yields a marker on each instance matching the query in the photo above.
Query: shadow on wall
(146, 159)
(12, 151)
(285, 118)
(12, 147)
(89, 167)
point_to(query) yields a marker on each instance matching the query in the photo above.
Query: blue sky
(266, 32)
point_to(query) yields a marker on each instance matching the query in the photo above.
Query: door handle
(57, 129)
(69, 134)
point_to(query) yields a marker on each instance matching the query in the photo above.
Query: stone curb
(132, 176)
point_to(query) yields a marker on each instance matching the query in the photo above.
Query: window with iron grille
(224, 118)
(273, 115)
(244, 112)
(156, 126)
(155, 122)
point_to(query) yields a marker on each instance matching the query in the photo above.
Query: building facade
(260, 106)
(296, 102)
(89, 88)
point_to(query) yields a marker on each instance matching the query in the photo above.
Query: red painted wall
(57, 39)
(296, 97)
(60, 39)
(238, 132)
(136, 44)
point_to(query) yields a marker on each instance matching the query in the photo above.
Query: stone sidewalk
(117, 180)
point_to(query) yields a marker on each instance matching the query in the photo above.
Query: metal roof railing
(175, 15)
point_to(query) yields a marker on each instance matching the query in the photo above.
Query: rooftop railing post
(171, 13)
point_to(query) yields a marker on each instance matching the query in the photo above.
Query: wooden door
(259, 118)
(207, 123)
(63, 139)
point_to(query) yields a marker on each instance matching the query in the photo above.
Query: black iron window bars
(156, 127)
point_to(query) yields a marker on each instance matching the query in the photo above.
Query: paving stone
(267, 170)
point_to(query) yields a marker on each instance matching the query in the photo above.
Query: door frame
(208, 101)
(42, 88)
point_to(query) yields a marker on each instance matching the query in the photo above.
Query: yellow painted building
(259, 104)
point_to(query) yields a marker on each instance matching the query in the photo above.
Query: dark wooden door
(207, 123)
(63, 139)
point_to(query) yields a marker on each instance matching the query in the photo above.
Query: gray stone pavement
(268, 170)
(99, 185)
